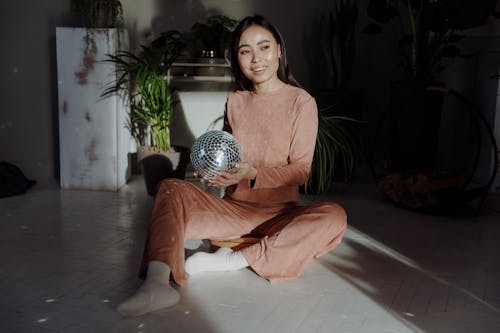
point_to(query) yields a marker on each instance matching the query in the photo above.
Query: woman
(275, 122)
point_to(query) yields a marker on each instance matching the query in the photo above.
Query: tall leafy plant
(154, 108)
(334, 154)
(429, 29)
(142, 79)
(338, 42)
(336, 147)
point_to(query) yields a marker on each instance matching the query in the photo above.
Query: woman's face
(258, 57)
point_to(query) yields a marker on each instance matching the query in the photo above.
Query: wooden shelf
(198, 64)
(189, 77)
(198, 78)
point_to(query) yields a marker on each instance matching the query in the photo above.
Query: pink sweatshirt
(277, 131)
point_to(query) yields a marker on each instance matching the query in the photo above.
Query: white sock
(224, 259)
(156, 292)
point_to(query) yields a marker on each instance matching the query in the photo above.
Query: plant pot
(159, 165)
(407, 134)
(426, 158)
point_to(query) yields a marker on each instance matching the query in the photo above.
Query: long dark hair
(240, 82)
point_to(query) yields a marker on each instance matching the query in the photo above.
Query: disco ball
(215, 152)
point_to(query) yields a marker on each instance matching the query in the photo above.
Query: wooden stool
(235, 244)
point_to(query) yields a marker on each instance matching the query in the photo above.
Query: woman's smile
(258, 69)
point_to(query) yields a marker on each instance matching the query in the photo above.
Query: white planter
(93, 140)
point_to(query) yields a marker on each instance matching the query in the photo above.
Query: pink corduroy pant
(290, 235)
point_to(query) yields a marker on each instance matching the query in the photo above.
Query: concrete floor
(67, 258)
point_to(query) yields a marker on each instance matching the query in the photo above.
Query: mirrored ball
(215, 152)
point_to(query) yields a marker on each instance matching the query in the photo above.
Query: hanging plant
(99, 13)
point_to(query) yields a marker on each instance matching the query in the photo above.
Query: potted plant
(142, 78)
(211, 41)
(427, 38)
(335, 153)
(431, 30)
(214, 36)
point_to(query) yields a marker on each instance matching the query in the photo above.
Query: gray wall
(28, 84)
(28, 126)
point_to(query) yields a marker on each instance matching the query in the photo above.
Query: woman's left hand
(244, 171)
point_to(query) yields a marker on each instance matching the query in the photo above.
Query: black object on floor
(12, 180)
